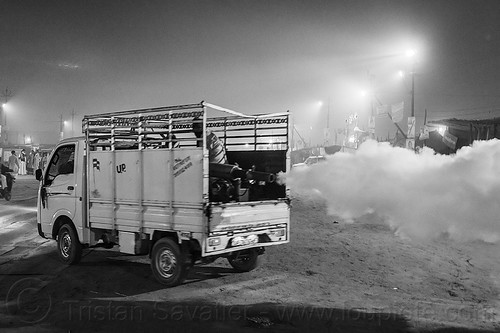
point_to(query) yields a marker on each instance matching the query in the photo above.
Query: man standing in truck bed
(217, 152)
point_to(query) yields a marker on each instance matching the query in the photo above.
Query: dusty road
(332, 277)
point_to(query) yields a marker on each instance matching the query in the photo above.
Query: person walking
(44, 160)
(13, 162)
(36, 161)
(22, 163)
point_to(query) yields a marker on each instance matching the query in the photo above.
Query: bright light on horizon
(364, 93)
(411, 53)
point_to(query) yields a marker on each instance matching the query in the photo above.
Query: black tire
(68, 245)
(168, 263)
(245, 260)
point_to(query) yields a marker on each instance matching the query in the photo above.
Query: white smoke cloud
(420, 195)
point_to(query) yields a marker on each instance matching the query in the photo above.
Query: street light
(3, 122)
(5, 107)
(6, 95)
(411, 54)
(413, 91)
(326, 133)
(61, 128)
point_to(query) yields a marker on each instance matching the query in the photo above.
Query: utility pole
(371, 122)
(327, 134)
(410, 141)
(61, 127)
(6, 95)
(72, 122)
(328, 114)
(425, 122)
(413, 92)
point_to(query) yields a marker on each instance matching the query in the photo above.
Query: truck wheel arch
(189, 247)
(157, 235)
(59, 222)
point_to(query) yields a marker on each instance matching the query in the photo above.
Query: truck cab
(183, 184)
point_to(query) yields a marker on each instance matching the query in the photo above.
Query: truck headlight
(278, 233)
(237, 241)
(215, 241)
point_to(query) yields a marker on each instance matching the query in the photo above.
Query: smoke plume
(421, 195)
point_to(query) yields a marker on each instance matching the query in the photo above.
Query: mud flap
(40, 232)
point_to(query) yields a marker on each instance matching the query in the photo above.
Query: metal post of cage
(171, 168)
(142, 175)
(113, 174)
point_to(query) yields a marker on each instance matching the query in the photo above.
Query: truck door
(58, 192)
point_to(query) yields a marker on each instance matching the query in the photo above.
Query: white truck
(183, 184)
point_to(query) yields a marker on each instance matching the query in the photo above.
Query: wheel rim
(65, 244)
(166, 263)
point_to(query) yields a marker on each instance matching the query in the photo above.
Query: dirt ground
(331, 277)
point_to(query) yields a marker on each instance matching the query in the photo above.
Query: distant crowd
(23, 163)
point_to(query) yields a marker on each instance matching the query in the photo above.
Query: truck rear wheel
(167, 262)
(245, 260)
(68, 245)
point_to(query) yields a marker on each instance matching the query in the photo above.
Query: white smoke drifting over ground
(420, 195)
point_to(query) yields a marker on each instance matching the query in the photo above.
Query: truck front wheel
(167, 262)
(68, 245)
(245, 260)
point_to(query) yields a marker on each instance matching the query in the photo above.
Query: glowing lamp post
(410, 54)
(3, 123)
(410, 141)
(6, 95)
(411, 122)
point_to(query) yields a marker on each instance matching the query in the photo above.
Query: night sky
(252, 56)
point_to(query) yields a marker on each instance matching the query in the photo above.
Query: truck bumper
(227, 243)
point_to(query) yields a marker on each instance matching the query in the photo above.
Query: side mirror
(38, 174)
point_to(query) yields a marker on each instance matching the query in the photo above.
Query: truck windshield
(62, 162)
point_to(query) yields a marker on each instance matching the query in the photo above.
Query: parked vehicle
(311, 160)
(183, 184)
